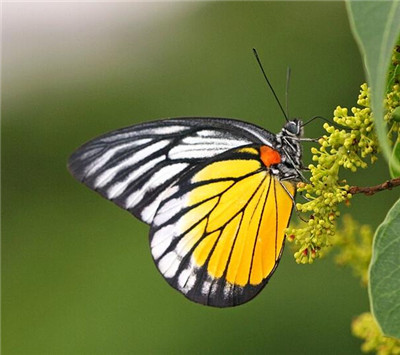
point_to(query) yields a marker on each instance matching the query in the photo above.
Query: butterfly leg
(293, 201)
(302, 195)
(313, 140)
(294, 165)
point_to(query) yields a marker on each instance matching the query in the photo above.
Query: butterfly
(217, 194)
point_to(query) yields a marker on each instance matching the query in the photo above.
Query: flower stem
(387, 185)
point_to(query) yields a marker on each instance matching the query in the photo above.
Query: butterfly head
(293, 128)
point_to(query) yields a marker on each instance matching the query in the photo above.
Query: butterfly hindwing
(134, 166)
(218, 233)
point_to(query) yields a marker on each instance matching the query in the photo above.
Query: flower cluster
(346, 147)
(365, 327)
(392, 105)
(392, 101)
(394, 69)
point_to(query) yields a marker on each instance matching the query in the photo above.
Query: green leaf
(395, 161)
(376, 26)
(384, 274)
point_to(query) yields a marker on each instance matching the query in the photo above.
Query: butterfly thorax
(288, 145)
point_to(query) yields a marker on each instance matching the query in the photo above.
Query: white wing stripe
(150, 210)
(162, 175)
(170, 209)
(145, 131)
(183, 277)
(169, 264)
(136, 157)
(165, 130)
(102, 160)
(164, 233)
(118, 188)
(209, 133)
(209, 146)
(89, 153)
(187, 152)
(187, 278)
(161, 247)
(226, 141)
(205, 289)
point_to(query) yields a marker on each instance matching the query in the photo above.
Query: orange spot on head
(269, 156)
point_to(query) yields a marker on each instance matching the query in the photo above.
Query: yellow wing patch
(227, 169)
(234, 200)
(206, 191)
(249, 150)
(202, 252)
(244, 235)
(219, 257)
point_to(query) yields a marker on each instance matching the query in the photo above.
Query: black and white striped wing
(133, 166)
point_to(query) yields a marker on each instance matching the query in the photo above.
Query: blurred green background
(77, 274)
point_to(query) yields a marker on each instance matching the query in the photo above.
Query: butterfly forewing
(218, 233)
(134, 166)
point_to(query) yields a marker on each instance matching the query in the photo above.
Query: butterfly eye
(292, 127)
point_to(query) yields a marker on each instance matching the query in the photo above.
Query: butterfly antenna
(326, 120)
(288, 72)
(315, 118)
(269, 84)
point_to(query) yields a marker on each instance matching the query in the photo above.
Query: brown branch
(387, 185)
